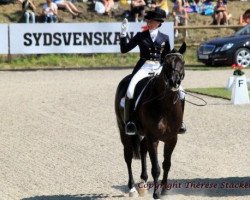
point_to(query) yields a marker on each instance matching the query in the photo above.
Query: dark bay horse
(158, 118)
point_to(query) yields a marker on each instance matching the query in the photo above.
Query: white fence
(68, 38)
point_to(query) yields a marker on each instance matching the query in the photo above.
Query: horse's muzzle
(173, 84)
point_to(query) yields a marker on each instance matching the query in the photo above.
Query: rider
(153, 46)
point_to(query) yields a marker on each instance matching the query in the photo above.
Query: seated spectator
(184, 3)
(162, 4)
(50, 12)
(138, 9)
(109, 5)
(245, 18)
(28, 8)
(69, 6)
(180, 16)
(99, 7)
(221, 15)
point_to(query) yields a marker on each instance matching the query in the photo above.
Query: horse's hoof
(164, 192)
(156, 196)
(133, 192)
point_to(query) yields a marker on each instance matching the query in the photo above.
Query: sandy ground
(59, 139)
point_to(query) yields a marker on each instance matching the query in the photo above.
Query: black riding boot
(130, 127)
(183, 128)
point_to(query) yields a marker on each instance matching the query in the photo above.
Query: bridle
(173, 71)
(166, 80)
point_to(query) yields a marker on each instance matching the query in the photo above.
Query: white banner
(73, 37)
(4, 39)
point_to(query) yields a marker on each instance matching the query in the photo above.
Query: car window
(243, 31)
(6, 1)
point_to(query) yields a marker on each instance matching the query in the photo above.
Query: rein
(204, 102)
(163, 93)
(182, 77)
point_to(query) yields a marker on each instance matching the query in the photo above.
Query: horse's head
(173, 68)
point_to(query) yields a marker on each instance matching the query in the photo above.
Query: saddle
(139, 91)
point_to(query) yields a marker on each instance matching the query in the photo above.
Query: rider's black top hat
(157, 15)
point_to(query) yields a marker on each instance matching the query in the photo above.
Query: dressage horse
(158, 118)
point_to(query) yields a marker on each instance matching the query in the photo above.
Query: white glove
(124, 28)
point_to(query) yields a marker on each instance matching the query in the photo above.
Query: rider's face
(152, 24)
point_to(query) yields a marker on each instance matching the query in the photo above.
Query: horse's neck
(160, 84)
(160, 87)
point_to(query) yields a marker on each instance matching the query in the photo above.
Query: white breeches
(149, 68)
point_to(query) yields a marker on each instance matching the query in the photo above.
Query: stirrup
(183, 128)
(130, 128)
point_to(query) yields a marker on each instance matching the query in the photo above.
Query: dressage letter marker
(240, 92)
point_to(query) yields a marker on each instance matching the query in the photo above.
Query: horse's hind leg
(153, 153)
(168, 150)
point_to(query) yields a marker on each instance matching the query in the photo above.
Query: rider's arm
(126, 47)
(166, 49)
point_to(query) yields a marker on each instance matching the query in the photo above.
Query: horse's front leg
(144, 175)
(128, 155)
(153, 153)
(168, 150)
(143, 152)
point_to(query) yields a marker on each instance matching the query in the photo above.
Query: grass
(89, 61)
(213, 92)
(68, 61)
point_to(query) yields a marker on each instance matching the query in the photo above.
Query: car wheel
(242, 57)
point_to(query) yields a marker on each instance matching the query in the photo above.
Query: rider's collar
(154, 32)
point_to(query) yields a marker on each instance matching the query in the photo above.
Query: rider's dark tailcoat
(149, 50)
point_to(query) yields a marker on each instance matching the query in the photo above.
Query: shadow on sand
(222, 187)
(74, 197)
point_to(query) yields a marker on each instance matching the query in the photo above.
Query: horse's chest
(163, 126)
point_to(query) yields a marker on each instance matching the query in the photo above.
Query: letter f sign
(240, 82)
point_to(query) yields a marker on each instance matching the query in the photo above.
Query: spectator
(220, 13)
(180, 16)
(162, 4)
(109, 5)
(184, 3)
(69, 6)
(28, 8)
(138, 9)
(99, 7)
(245, 18)
(50, 12)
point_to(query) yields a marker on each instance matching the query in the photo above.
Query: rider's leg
(183, 128)
(130, 126)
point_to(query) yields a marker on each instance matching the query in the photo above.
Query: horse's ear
(173, 50)
(183, 48)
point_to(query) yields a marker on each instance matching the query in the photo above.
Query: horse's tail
(136, 146)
